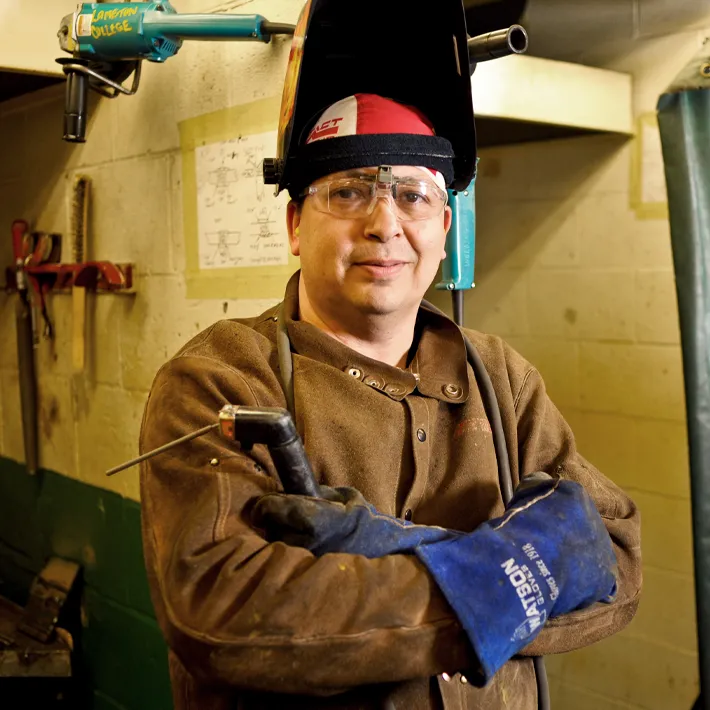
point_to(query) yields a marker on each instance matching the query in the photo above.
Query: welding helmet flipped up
(411, 51)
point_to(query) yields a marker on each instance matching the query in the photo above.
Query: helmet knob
(273, 170)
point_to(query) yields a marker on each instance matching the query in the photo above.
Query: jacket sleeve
(240, 611)
(546, 443)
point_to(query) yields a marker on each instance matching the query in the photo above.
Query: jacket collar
(438, 369)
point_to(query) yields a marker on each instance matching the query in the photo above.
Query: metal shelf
(521, 98)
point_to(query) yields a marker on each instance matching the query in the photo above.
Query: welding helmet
(411, 51)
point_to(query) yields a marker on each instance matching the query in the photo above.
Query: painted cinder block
(502, 175)
(517, 233)
(560, 244)
(8, 329)
(636, 671)
(176, 228)
(553, 301)
(15, 202)
(147, 123)
(129, 209)
(56, 429)
(12, 442)
(606, 302)
(606, 222)
(558, 363)
(651, 239)
(53, 355)
(105, 321)
(645, 454)
(573, 167)
(665, 531)
(499, 303)
(505, 230)
(608, 442)
(159, 322)
(108, 424)
(563, 695)
(644, 381)
(12, 130)
(671, 624)
(662, 458)
(656, 308)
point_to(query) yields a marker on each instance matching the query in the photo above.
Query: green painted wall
(121, 653)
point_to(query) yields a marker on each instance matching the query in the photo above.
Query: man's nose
(383, 223)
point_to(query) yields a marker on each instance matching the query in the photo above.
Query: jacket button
(446, 677)
(408, 514)
(452, 391)
(463, 679)
(354, 372)
(421, 435)
(375, 382)
(394, 390)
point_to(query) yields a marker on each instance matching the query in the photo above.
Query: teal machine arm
(109, 40)
(457, 270)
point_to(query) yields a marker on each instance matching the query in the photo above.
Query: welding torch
(271, 426)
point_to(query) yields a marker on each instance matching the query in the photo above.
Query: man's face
(375, 264)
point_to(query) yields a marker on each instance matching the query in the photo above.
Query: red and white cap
(365, 131)
(369, 114)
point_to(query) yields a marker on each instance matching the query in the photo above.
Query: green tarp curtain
(684, 120)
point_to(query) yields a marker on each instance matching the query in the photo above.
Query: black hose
(457, 306)
(490, 404)
(283, 348)
(543, 687)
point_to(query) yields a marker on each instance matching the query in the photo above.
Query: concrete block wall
(566, 273)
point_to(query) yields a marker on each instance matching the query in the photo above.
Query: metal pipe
(161, 449)
(501, 43)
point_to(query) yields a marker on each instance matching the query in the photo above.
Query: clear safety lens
(353, 198)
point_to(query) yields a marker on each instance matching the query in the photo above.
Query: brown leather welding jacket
(254, 625)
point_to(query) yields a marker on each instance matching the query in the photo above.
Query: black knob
(272, 169)
(75, 107)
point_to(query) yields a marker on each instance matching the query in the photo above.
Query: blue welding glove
(342, 521)
(547, 555)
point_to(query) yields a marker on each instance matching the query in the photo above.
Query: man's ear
(293, 222)
(448, 219)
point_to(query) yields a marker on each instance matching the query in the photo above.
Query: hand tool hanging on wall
(80, 218)
(25, 348)
(109, 40)
(35, 273)
(40, 248)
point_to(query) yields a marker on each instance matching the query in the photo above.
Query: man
(276, 601)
